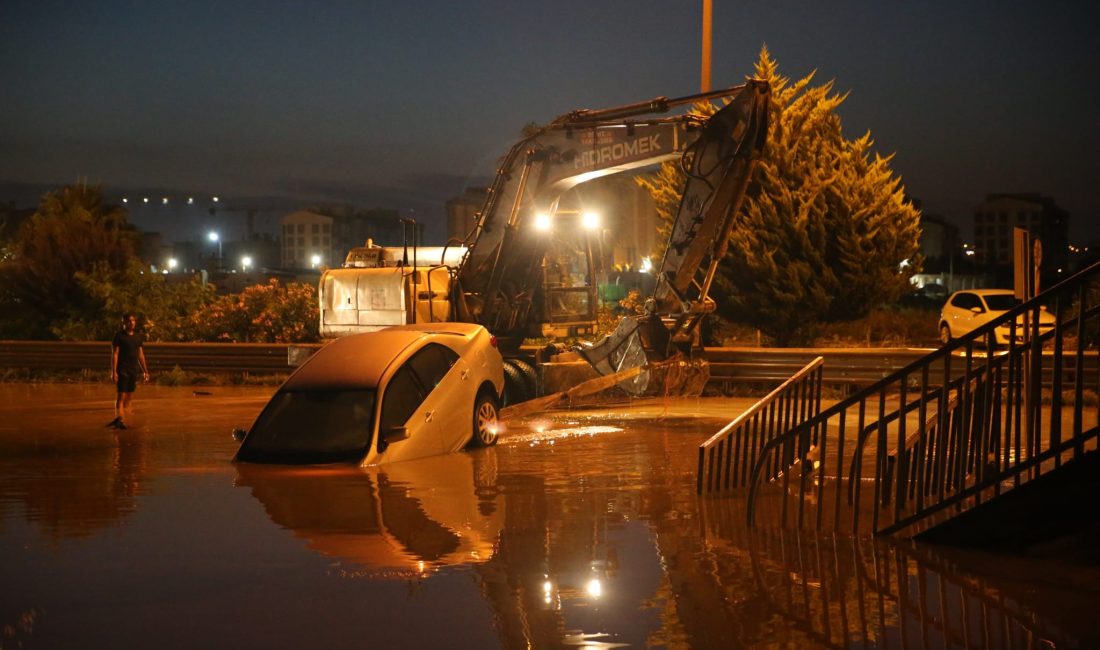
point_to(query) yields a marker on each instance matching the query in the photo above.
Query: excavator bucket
(643, 343)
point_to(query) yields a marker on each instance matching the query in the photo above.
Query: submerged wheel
(485, 420)
(945, 334)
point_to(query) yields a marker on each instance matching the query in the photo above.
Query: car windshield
(311, 426)
(1001, 301)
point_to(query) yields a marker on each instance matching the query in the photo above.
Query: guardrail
(260, 358)
(728, 366)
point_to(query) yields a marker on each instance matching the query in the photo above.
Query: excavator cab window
(568, 273)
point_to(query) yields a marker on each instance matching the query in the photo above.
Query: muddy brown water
(581, 529)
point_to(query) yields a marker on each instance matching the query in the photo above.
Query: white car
(968, 310)
(396, 394)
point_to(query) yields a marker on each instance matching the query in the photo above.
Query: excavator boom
(498, 282)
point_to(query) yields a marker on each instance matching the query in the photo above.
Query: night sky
(403, 104)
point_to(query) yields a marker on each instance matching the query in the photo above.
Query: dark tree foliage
(71, 232)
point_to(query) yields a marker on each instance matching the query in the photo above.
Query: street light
(172, 264)
(213, 236)
(246, 262)
(315, 260)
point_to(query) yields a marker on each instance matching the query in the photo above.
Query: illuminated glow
(315, 260)
(125, 200)
(542, 221)
(541, 434)
(594, 588)
(970, 253)
(164, 201)
(547, 587)
(190, 200)
(246, 261)
(172, 263)
(146, 199)
(647, 265)
(590, 220)
(213, 236)
(215, 199)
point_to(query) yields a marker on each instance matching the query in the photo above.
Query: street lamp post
(213, 236)
(704, 73)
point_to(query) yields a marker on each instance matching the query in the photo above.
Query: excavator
(514, 277)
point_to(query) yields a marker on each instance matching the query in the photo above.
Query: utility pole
(704, 75)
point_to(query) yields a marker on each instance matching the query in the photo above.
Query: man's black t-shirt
(128, 346)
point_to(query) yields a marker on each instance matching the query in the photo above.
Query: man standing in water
(127, 360)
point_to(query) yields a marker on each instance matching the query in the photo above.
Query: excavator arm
(497, 281)
(718, 166)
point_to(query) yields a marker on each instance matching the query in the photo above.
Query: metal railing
(727, 457)
(945, 433)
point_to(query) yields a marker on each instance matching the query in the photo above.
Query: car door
(403, 405)
(450, 399)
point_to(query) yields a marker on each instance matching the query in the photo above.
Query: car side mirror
(395, 434)
(976, 310)
(239, 434)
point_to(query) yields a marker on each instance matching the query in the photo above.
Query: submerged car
(396, 394)
(965, 311)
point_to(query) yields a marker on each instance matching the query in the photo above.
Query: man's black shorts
(127, 381)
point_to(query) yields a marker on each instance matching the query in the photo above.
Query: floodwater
(580, 529)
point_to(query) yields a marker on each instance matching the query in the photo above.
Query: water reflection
(840, 591)
(403, 521)
(596, 541)
(604, 545)
(78, 494)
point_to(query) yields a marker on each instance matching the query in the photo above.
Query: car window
(966, 301)
(1001, 301)
(311, 426)
(432, 363)
(403, 395)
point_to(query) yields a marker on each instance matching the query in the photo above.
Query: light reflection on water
(596, 541)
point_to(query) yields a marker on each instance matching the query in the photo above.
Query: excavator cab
(568, 301)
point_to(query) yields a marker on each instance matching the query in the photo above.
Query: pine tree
(824, 225)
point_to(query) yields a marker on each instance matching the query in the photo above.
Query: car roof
(360, 360)
(986, 292)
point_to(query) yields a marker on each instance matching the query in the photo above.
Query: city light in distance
(542, 221)
(246, 262)
(590, 220)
